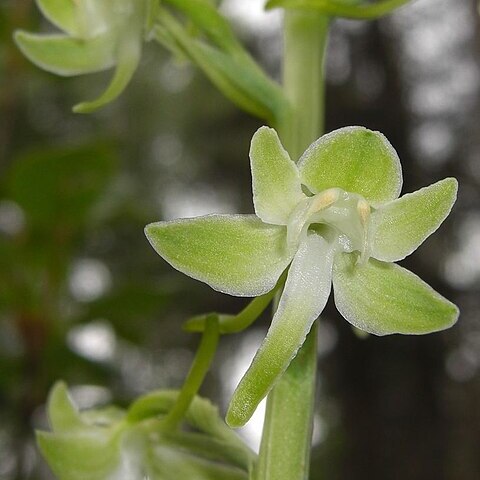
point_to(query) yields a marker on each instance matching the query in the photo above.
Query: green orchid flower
(113, 444)
(99, 34)
(333, 218)
(96, 445)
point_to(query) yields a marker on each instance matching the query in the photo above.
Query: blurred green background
(84, 298)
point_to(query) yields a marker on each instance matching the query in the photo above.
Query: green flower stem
(196, 375)
(285, 447)
(237, 323)
(287, 432)
(305, 37)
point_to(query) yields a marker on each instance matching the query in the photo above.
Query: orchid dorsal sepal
(340, 222)
(337, 8)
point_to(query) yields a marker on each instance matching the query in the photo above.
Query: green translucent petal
(276, 181)
(62, 13)
(356, 160)
(128, 60)
(306, 292)
(235, 254)
(383, 298)
(400, 227)
(67, 56)
(62, 413)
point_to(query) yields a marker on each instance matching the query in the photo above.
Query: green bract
(99, 34)
(356, 9)
(113, 444)
(342, 233)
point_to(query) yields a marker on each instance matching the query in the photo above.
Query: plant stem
(196, 375)
(286, 440)
(305, 38)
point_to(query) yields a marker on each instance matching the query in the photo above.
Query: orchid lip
(347, 215)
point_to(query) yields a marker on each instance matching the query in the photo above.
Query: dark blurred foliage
(84, 298)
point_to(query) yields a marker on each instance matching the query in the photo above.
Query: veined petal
(400, 227)
(306, 292)
(384, 298)
(129, 54)
(67, 56)
(356, 160)
(275, 178)
(235, 254)
(62, 13)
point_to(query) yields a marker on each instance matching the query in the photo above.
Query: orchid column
(285, 447)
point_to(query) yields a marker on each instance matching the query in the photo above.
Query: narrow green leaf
(234, 254)
(207, 18)
(238, 77)
(275, 178)
(246, 86)
(384, 298)
(67, 56)
(306, 292)
(401, 226)
(129, 54)
(337, 8)
(354, 159)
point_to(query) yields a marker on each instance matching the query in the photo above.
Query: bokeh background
(84, 298)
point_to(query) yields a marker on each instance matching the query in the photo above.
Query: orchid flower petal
(67, 56)
(384, 298)
(275, 178)
(306, 292)
(234, 254)
(356, 160)
(400, 227)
